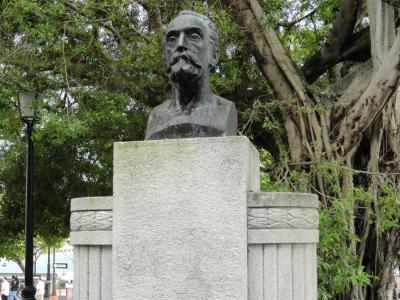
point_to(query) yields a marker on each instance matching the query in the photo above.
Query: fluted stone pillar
(91, 236)
(282, 244)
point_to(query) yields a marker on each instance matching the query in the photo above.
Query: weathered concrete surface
(180, 218)
(282, 243)
(91, 203)
(91, 225)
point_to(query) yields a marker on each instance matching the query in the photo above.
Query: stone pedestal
(282, 238)
(186, 221)
(180, 218)
(91, 236)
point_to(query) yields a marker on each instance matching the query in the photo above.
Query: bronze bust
(191, 47)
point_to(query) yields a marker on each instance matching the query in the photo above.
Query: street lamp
(47, 286)
(27, 105)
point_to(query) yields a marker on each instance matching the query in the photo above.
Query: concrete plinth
(187, 221)
(91, 227)
(282, 237)
(180, 218)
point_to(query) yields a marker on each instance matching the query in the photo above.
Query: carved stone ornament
(274, 218)
(91, 220)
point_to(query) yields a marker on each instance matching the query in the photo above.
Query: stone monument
(191, 48)
(186, 220)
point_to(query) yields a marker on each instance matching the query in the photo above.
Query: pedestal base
(187, 224)
(282, 244)
(91, 236)
(180, 218)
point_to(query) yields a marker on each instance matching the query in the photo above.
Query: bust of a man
(191, 48)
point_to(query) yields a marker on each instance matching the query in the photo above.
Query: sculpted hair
(212, 28)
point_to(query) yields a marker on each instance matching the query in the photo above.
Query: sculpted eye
(172, 39)
(194, 36)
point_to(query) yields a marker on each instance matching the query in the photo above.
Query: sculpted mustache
(186, 55)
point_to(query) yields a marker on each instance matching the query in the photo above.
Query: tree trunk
(363, 112)
(20, 265)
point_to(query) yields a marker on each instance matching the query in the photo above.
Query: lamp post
(27, 113)
(47, 287)
(53, 284)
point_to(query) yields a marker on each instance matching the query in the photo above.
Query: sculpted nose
(182, 43)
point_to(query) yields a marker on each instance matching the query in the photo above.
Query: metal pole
(47, 288)
(53, 285)
(28, 293)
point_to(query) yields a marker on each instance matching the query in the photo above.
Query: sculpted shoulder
(228, 115)
(215, 117)
(223, 102)
(158, 116)
(160, 109)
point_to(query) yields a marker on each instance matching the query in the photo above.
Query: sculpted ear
(214, 56)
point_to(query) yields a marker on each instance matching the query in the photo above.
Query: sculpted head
(191, 47)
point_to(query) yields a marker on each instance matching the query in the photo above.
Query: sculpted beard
(184, 66)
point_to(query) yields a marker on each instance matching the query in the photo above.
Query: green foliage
(301, 25)
(338, 264)
(91, 78)
(388, 209)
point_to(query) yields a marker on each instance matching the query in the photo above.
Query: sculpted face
(187, 48)
(191, 47)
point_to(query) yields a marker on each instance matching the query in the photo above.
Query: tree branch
(279, 53)
(153, 12)
(262, 51)
(303, 130)
(395, 3)
(360, 47)
(272, 58)
(289, 25)
(20, 264)
(356, 84)
(270, 68)
(370, 104)
(340, 36)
